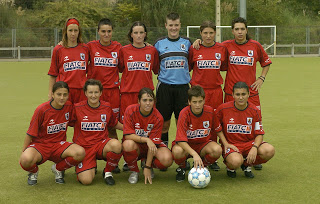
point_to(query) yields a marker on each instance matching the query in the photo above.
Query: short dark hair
(240, 20)
(104, 21)
(207, 24)
(92, 82)
(196, 91)
(137, 23)
(147, 91)
(240, 85)
(172, 16)
(58, 85)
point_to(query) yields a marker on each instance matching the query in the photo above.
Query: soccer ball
(199, 178)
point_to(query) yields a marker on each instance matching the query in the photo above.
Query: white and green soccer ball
(199, 178)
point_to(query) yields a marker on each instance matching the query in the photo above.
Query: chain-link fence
(47, 37)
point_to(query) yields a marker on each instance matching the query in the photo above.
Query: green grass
(290, 106)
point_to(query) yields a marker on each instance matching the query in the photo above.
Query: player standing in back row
(172, 88)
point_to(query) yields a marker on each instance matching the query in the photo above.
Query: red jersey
(104, 63)
(149, 126)
(136, 65)
(196, 129)
(91, 124)
(206, 63)
(239, 126)
(49, 125)
(70, 65)
(242, 63)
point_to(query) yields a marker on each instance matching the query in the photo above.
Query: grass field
(290, 106)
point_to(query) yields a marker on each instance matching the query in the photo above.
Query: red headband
(72, 21)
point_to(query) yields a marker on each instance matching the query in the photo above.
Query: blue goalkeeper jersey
(173, 54)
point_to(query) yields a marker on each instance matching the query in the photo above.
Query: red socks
(131, 158)
(67, 163)
(181, 162)
(33, 169)
(208, 160)
(112, 161)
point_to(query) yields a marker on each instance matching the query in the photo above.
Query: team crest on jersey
(150, 126)
(250, 53)
(249, 121)
(103, 117)
(183, 47)
(97, 54)
(67, 116)
(114, 54)
(218, 56)
(206, 124)
(82, 56)
(148, 57)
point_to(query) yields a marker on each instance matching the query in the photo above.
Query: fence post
(307, 40)
(55, 31)
(14, 42)
(19, 53)
(292, 50)
(319, 49)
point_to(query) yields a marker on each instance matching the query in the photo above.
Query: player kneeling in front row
(195, 125)
(46, 137)
(241, 124)
(91, 119)
(142, 126)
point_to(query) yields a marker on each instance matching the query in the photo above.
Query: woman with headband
(69, 61)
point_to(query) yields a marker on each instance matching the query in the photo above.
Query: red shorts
(214, 97)
(196, 147)
(76, 95)
(92, 154)
(113, 97)
(127, 99)
(51, 151)
(255, 100)
(143, 148)
(244, 149)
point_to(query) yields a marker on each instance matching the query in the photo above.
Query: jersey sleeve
(73, 117)
(121, 61)
(182, 128)
(258, 129)
(224, 62)
(35, 123)
(128, 123)
(113, 118)
(54, 66)
(264, 58)
(155, 134)
(190, 58)
(216, 123)
(156, 64)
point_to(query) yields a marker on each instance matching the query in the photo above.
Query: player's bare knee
(80, 153)
(178, 152)
(166, 160)
(85, 181)
(128, 145)
(115, 146)
(234, 161)
(26, 160)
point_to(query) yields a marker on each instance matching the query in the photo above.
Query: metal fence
(38, 42)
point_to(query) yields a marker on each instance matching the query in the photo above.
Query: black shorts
(171, 98)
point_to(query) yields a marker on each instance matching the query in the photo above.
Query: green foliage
(126, 13)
